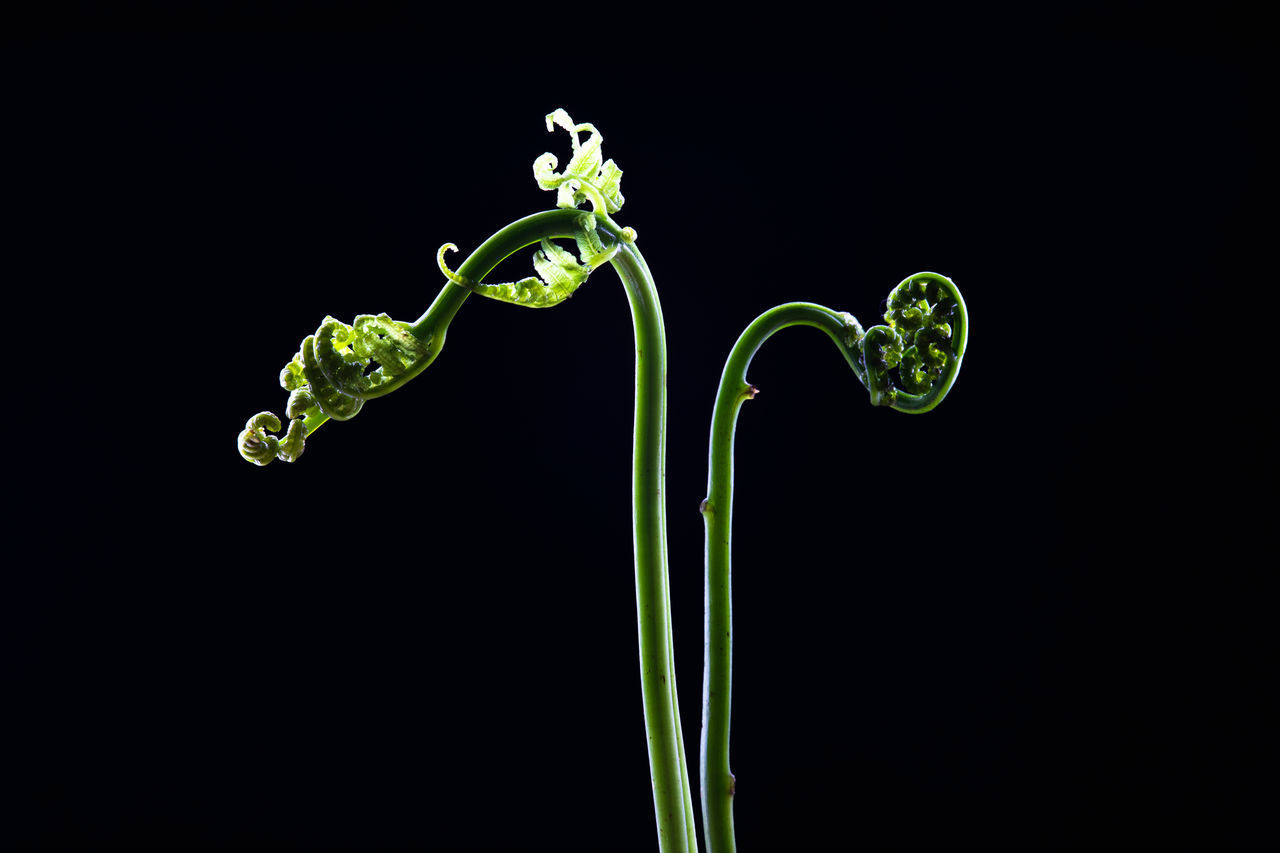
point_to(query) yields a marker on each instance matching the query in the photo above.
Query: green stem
(672, 794)
(673, 800)
(717, 780)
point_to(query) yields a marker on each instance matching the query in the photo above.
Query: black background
(1026, 620)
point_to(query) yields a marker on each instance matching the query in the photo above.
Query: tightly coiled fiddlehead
(259, 447)
(908, 363)
(922, 343)
(332, 374)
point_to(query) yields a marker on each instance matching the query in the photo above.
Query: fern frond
(560, 274)
(919, 340)
(585, 177)
(330, 376)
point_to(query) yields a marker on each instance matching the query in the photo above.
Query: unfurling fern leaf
(332, 374)
(585, 178)
(559, 272)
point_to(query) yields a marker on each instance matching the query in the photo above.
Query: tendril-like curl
(330, 377)
(585, 177)
(260, 448)
(559, 272)
(924, 341)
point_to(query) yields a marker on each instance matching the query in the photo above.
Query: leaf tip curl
(587, 176)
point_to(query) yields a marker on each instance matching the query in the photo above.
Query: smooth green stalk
(672, 794)
(672, 791)
(867, 356)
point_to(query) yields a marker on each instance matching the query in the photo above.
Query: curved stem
(672, 794)
(549, 224)
(673, 799)
(434, 322)
(717, 780)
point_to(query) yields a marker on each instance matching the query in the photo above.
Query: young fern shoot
(340, 367)
(921, 343)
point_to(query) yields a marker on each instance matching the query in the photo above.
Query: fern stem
(672, 794)
(717, 780)
(673, 800)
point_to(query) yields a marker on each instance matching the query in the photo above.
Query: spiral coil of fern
(334, 371)
(922, 344)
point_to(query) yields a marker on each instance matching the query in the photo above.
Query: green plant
(341, 366)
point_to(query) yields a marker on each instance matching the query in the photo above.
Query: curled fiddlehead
(332, 374)
(259, 447)
(922, 344)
